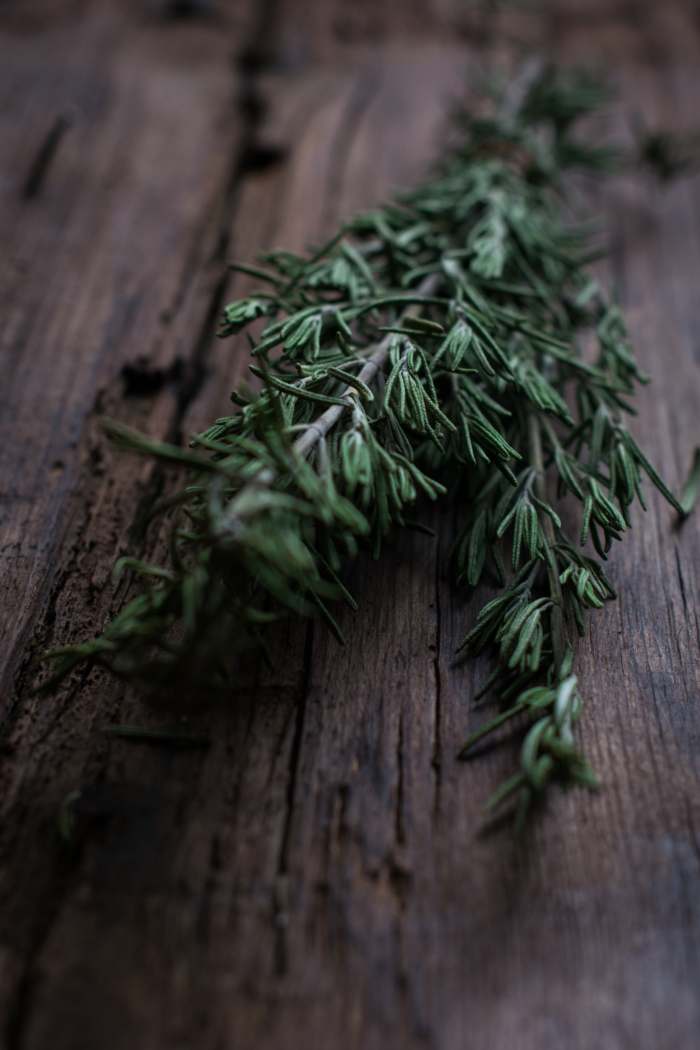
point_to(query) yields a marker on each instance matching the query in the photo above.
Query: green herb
(435, 347)
(67, 818)
(692, 485)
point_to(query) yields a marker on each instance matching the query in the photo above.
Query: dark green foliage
(430, 348)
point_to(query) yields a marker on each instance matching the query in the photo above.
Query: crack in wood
(680, 581)
(45, 154)
(436, 758)
(399, 829)
(281, 903)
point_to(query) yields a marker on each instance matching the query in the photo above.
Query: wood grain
(322, 874)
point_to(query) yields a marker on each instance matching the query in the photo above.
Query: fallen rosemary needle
(430, 347)
(183, 737)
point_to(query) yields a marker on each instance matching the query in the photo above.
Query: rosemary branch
(320, 427)
(460, 303)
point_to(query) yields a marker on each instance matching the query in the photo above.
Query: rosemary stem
(320, 427)
(559, 639)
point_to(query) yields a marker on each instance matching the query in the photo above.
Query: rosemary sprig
(430, 347)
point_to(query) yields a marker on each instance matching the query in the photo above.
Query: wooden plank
(321, 875)
(115, 260)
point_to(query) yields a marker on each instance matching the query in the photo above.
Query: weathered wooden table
(321, 876)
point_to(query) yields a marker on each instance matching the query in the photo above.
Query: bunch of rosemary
(431, 347)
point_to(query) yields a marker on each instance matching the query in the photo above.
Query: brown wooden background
(321, 876)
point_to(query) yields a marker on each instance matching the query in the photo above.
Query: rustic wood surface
(321, 875)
